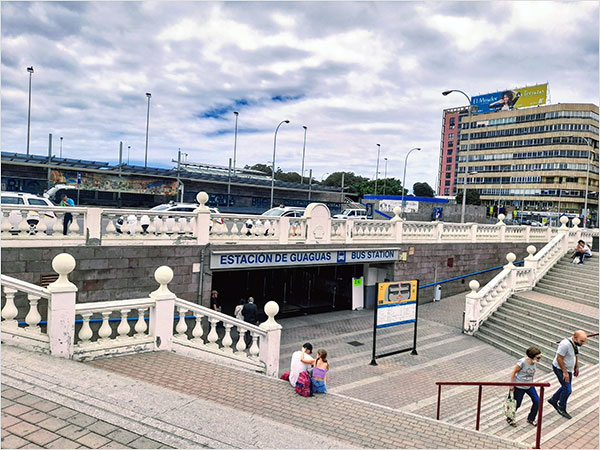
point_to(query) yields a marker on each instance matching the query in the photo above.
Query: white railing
(480, 305)
(30, 330)
(43, 226)
(130, 332)
(42, 222)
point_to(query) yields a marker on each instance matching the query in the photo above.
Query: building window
(448, 168)
(447, 175)
(449, 160)
(452, 123)
(451, 136)
(449, 152)
(446, 191)
(450, 143)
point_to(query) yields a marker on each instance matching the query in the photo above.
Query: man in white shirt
(301, 361)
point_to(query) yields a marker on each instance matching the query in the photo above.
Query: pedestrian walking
(523, 373)
(319, 373)
(565, 365)
(213, 300)
(68, 217)
(250, 312)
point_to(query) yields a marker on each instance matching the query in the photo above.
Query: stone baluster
(227, 341)
(6, 225)
(57, 227)
(61, 308)
(33, 317)
(41, 226)
(152, 225)
(85, 334)
(198, 330)
(212, 335)
(123, 329)
(164, 229)
(9, 312)
(105, 330)
(110, 227)
(241, 343)
(181, 223)
(254, 347)
(23, 225)
(74, 225)
(181, 327)
(140, 325)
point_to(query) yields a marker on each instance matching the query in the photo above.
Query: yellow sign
(397, 292)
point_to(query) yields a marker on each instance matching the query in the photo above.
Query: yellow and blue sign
(396, 303)
(510, 99)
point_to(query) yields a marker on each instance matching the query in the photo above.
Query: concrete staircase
(574, 282)
(568, 301)
(582, 403)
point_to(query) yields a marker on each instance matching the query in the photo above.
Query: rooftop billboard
(511, 99)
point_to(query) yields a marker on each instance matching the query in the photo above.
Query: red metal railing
(538, 436)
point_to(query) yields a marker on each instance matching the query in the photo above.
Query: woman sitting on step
(523, 373)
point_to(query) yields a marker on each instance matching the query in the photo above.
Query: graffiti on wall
(113, 183)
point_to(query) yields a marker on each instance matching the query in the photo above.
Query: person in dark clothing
(250, 312)
(213, 300)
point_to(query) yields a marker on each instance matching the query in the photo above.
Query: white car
(181, 207)
(284, 211)
(355, 214)
(28, 200)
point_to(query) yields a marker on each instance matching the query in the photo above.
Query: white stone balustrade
(479, 305)
(98, 226)
(129, 331)
(42, 223)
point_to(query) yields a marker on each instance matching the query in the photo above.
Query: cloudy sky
(356, 74)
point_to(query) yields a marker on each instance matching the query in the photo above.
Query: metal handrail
(538, 435)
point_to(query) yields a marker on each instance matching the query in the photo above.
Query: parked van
(355, 214)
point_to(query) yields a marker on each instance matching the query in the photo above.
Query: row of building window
(533, 117)
(532, 192)
(523, 143)
(529, 155)
(511, 180)
(531, 130)
(530, 167)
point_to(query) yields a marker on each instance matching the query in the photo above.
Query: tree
(423, 190)
(472, 197)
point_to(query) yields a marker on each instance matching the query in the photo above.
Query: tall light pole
(30, 70)
(303, 153)
(148, 94)
(384, 175)
(235, 141)
(404, 176)
(464, 199)
(61, 139)
(274, 148)
(377, 168)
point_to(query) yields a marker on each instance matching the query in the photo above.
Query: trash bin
(437, 293)
(595, 243)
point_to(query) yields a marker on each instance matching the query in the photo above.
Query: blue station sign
(250, 260)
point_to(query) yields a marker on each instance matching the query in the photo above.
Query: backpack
(285, 376)
(303, 384)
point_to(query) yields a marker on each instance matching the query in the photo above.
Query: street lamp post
(148, 94)
(235, 140)
(128, 149)
(30, 70)
(404, 176)
(464, 199)
(303, 153)
(377, 167)
(274, 149)
(61, 139)
(384, 175)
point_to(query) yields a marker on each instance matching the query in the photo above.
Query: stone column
(61, 308)
(202, 230)
(162, 314)
(269, 345)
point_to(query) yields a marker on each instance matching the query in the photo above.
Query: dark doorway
(299, 290)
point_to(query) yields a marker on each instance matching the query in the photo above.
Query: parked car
(30, 201)
(355, 214)
(181, 207)
(284, 211)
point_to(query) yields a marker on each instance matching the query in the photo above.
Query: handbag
(510, 407)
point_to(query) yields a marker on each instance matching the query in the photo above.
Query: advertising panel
(510, 99)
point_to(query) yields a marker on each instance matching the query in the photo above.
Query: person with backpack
(523, 373)
(301, 362)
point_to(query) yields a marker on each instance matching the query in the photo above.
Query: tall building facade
(542, 159)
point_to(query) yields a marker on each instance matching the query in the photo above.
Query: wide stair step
(587, 293)
(582, 402)
(571, 297)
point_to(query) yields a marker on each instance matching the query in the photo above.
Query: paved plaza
(165, 400)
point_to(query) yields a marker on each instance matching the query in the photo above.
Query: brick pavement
(368, 426)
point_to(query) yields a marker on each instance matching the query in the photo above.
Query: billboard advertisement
(510, 99)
